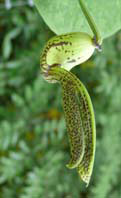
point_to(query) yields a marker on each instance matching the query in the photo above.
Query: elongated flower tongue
(80, 122)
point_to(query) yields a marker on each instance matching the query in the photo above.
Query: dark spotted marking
(72, 61)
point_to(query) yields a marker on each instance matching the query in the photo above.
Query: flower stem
(91, 22)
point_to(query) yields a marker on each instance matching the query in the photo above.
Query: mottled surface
(73, 122)
(80, 121)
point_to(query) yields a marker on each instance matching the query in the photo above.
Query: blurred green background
(34, 146)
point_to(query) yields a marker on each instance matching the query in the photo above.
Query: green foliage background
(33, 138)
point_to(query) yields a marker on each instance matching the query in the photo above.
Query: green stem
(91, 23)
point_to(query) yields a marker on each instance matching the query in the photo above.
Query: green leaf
(66, 16)
(7, 42)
